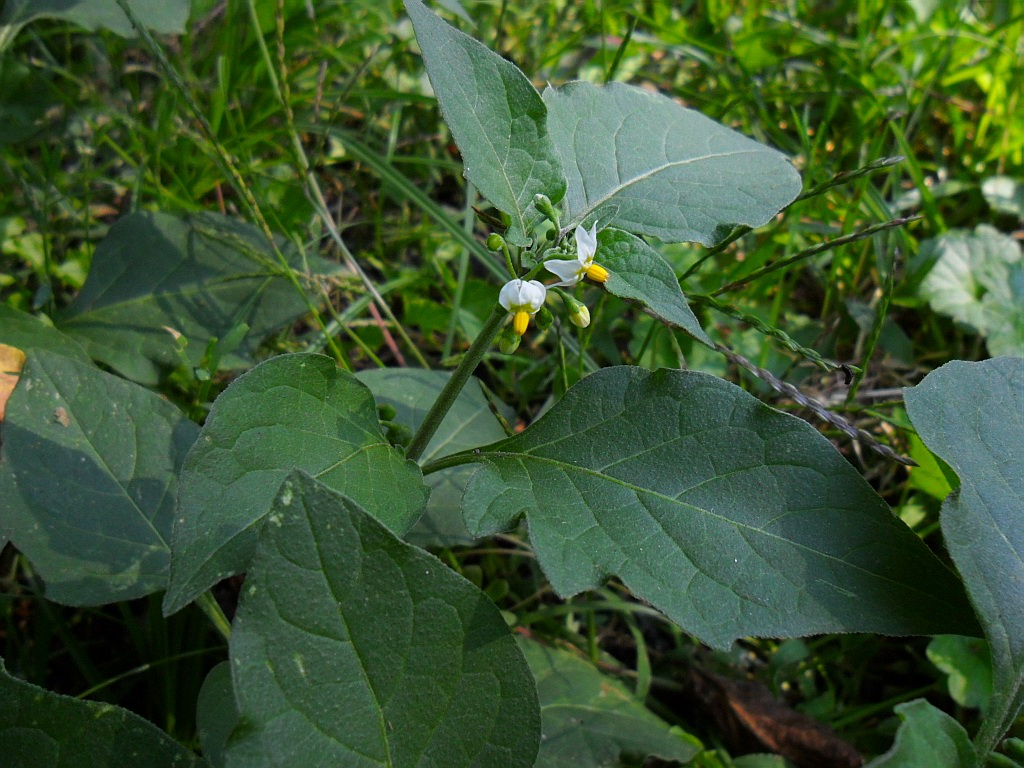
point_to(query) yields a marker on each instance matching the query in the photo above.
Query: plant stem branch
(460, 376)
(208, 604)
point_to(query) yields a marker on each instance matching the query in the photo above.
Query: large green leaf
(730, 517)
(927, 738)
(497, 118)
(40, 728)
(972, 416)
(27, 332)
(978, 280)
(95, 459)
(589, 719)
(351, 647)
(638, 161)
(290, 411)
(638, 272)
(467, 425)
(155, 275)
(164, 16)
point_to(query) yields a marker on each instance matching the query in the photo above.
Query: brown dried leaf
(753, 720)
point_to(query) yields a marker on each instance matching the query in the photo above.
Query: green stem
(455, 384)
(208, 604)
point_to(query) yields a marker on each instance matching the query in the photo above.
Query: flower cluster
(524, 298)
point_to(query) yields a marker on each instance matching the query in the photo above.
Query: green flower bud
(509, 340)
(545, 318)
(495, 241)
(543, 203)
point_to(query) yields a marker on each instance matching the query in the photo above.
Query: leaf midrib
(638, 490)
(593, 206)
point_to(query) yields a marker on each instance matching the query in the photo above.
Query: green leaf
(292, 411)
(216, 714)
(351, 647)
(638, 272)
(164, 16)
(1004, 195)
(927, 738)
(41, 728)
(27, 332)
(638, 161)
(1012, 755)
(968, 666)
(761, 760)
(201, 275)
(590, 719)
(95, 459)
(497, 118)
(929, 475)
(731, 518)
(469, 424)
(978, 280)
(972, 416)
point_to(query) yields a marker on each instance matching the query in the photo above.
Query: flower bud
(545, 318)
(578, 313)
(543, 204)
(495, 241)
(509, 340)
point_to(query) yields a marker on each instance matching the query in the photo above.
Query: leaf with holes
(95, 461)
(292, 411)
(731, 518)
(351, 647)
(638, 161)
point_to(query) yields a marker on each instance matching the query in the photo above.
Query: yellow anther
(520, 320)
(597, 273)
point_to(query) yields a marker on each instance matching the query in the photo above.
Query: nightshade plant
(352, 646)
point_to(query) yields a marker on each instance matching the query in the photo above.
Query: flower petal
(569, 270)
(586, 243)
(508, 297)
(533, 294)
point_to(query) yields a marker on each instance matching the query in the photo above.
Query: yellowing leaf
(11, 361)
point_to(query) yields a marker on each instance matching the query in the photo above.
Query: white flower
(571, 271)
(522, 298)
